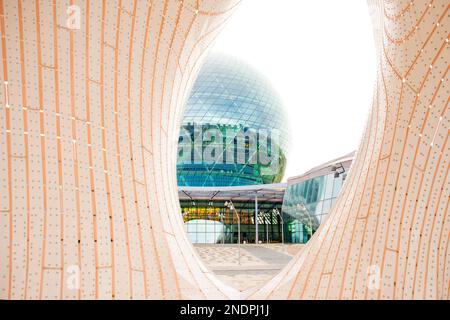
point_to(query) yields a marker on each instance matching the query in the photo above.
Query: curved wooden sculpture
(91, 99)
(90, 117)
(387, 236)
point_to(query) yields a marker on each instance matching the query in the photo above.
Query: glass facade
(306, 205)
(212, 222)
(234, 131)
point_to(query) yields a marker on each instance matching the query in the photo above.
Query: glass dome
(234, 130)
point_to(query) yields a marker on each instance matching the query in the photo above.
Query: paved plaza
(253, 266)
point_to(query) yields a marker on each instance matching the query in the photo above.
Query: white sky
(320, 57)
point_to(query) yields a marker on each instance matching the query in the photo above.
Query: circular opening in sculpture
(322, 74)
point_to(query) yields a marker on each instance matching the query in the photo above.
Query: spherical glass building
(234, 131)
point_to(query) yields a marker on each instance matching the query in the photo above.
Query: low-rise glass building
(254, 217)
(267, 213)
(309, 198)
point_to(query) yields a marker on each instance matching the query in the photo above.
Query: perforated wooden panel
(89, 114)
(388, 235)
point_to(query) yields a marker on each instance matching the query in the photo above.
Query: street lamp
(229, 205)
(338, 169)
(275, 211)
(302, 207)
